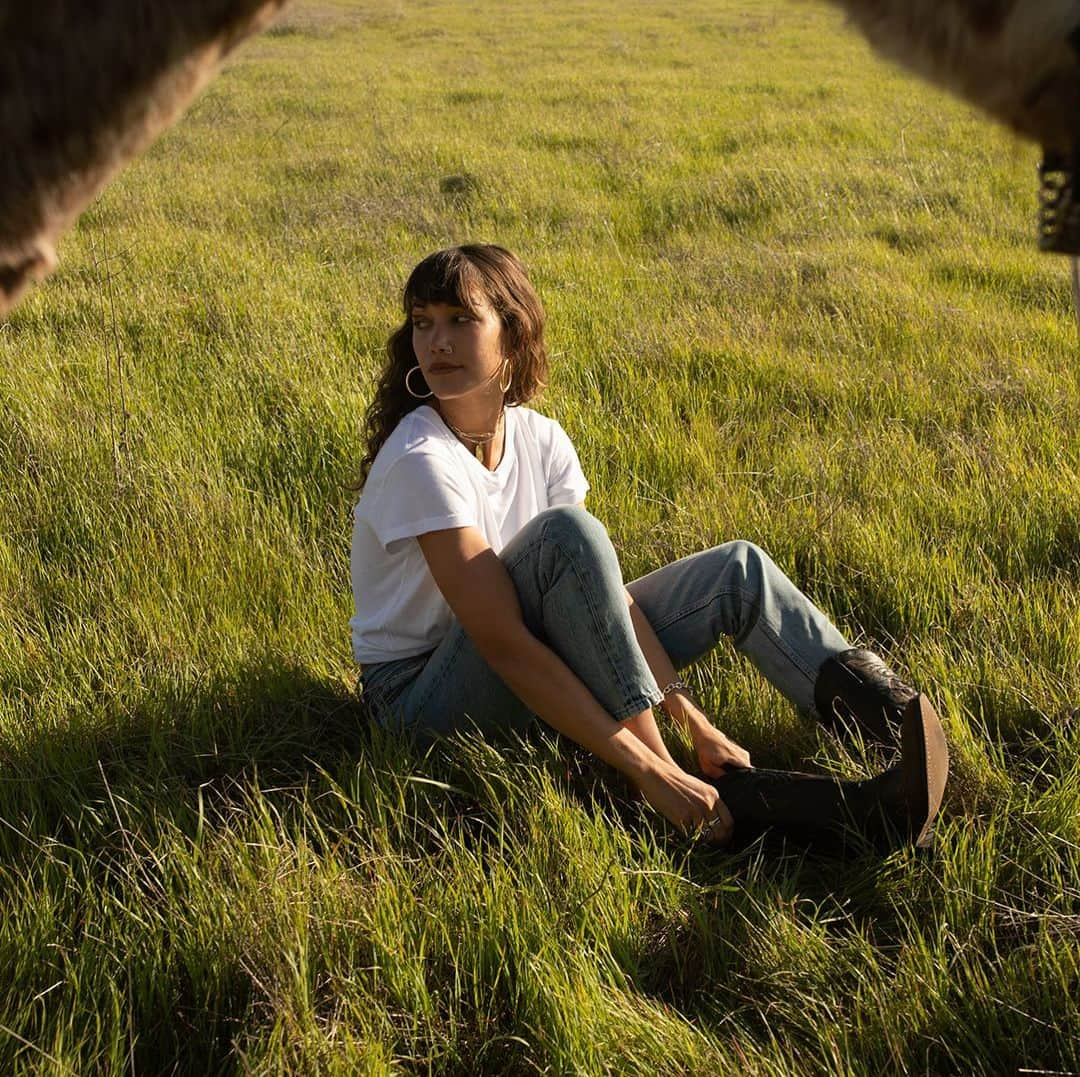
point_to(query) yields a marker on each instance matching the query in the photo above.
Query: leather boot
(834, 815)
(856, 689)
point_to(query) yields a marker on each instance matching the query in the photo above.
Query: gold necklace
(478, 440)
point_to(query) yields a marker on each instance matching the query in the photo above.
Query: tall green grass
(792, 297)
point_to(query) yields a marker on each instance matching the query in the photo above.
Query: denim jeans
(571, 592)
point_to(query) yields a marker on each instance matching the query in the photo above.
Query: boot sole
(925, 767)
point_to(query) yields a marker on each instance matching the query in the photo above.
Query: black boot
(834, 815)
(856, 688)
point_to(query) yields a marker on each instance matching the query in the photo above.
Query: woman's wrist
(693, 719)
(630, 756)
(679, 704)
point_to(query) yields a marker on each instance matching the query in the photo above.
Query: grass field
(793, 297)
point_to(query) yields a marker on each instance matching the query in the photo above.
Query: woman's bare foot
(717, 752)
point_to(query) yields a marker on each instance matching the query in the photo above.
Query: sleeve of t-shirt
(566, 482)
(421, 492)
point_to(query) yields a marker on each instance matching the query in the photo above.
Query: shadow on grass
(269, 720)
(271, 727)
(277, 731)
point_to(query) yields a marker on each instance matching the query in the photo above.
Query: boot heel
(925, 767)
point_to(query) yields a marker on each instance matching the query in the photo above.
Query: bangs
(445, 277)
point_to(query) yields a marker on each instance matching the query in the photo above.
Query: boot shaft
(857, 689)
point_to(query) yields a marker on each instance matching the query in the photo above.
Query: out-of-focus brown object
(1018, 60)
(84, 86)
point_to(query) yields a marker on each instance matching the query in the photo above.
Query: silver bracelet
(675, 686)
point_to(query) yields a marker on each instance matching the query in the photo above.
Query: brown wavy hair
(462, 277)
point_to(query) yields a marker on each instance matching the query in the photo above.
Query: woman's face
(459, 349)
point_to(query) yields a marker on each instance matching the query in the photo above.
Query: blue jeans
(570, 587)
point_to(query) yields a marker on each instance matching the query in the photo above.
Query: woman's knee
(746, 567)
(558, 545)
(573, 524)
(571, 528)
(742, 556)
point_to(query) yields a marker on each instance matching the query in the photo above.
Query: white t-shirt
(423, 479)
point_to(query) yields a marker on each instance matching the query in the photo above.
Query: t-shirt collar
(508, 442)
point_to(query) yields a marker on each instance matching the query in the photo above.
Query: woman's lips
(442, 368)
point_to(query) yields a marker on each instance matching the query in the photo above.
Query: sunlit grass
(793, 297)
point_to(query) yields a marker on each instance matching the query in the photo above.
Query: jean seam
(637, 704)
(631, 695)
(628, 691)
(788, 653)
(694, 607)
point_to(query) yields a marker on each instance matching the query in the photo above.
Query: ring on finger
(709, 826)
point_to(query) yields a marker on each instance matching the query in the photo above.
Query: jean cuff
(639, 703)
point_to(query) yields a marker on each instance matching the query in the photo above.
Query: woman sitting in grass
(487, 596)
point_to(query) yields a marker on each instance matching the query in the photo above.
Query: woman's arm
(481, 595)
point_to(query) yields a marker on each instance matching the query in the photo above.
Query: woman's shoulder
(544, 431)
(419, 431)
(535, 423)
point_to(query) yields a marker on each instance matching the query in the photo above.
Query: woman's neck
(479, 426)
(477, 417)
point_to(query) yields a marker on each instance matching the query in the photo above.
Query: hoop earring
(509, 381)
(409, 389)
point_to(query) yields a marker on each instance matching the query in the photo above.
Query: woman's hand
(688, 802)
(715, 751)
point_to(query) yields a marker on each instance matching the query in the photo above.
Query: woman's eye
(419, 323)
